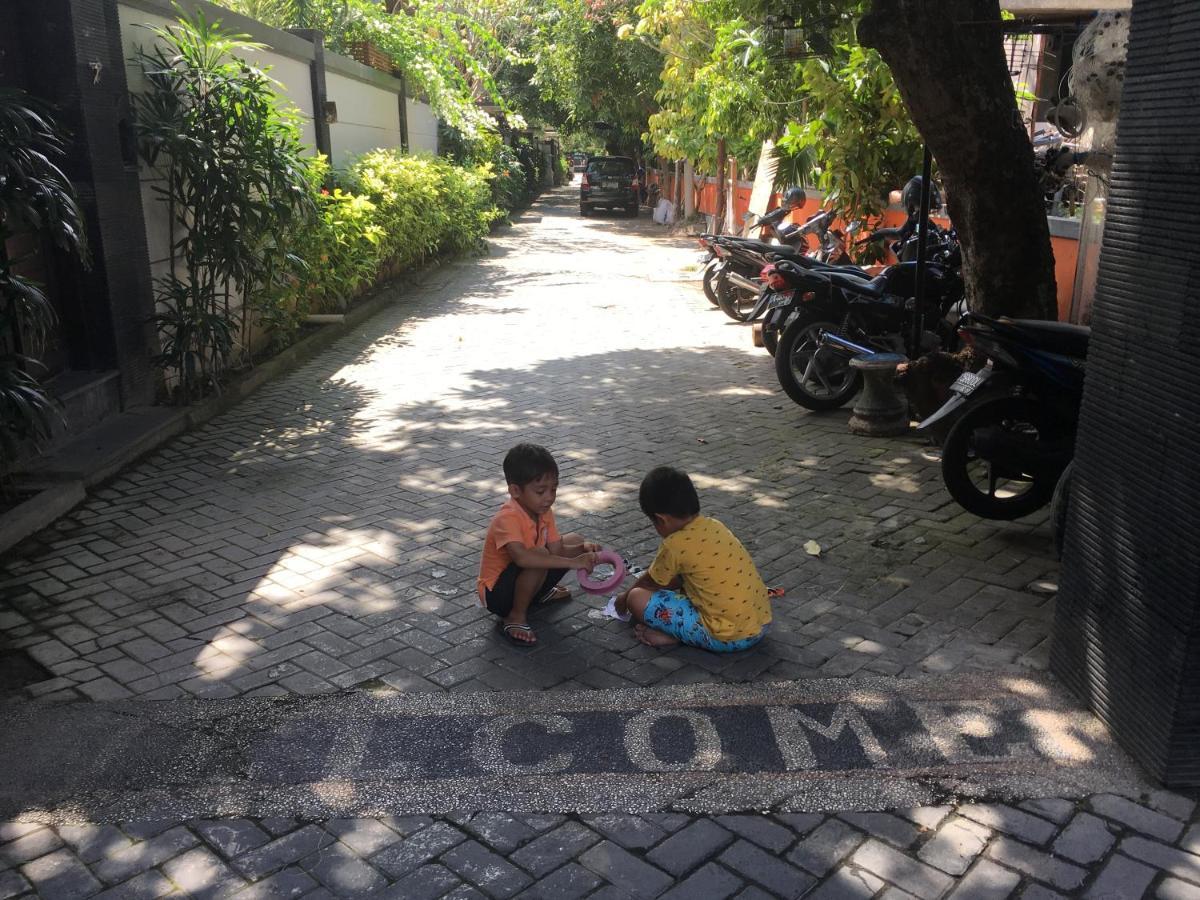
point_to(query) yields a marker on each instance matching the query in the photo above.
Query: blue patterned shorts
(672, 613)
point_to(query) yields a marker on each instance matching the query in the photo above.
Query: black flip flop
(507, 631)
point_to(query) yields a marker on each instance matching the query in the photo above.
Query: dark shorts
(499, 599)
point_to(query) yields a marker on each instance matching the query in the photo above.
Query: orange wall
(1066, 250)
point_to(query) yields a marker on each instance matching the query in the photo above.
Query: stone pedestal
(880, 411)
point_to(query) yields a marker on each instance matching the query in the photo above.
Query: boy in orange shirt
(524, 557)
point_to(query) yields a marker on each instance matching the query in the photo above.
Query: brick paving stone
(688, 847)
(928, 817)
(363, 836)
(501, 831)
(282, 851)
(12, 883)
(825, 847)
(753, 864)
(882, 825)
(200, 873)
(847, 883)
(61, 875)
(30, 846)
(631, 832)
(150, 885)
(567, 883)
(624, 870)
(915, 877)
(426, 883)
(1057, 811)
(955, 846)
(1085, 840)
(133, 860)
(483, 868)
(1137, 817)
(10, 831)
(289, 882)
(1174, 889)
(1179, 863)
(800, 823)
(93, 842)
(418, 849)
(551, 850)
(760, 830)
(711, 882)
(1035, 891)
(342, 871)
(1191, 840)
(986, 881)
(1012, 821)
(231, 837)
(1056, 872)
(1120, 879)
(1175, 805)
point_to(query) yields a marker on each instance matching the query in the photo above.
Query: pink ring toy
(603, 587)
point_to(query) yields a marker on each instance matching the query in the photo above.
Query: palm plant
(234, 180)
(35, 198)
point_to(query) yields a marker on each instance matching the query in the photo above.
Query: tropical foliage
(36, 199)
(227, 210)
(833, 108)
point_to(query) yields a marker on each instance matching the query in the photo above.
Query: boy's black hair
(528, 462)
(669, 491)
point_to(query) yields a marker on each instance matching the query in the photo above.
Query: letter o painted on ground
(641, 750)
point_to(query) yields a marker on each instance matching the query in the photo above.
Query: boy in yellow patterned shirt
(702, 588)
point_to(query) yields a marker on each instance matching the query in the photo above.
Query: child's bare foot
(652, 638)
(518, 632)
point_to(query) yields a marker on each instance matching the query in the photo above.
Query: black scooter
(1016, 418)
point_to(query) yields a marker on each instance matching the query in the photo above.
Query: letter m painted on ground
(793, 727)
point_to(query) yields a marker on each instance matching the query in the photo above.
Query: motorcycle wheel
(711, 271)
(1058, 507)
(990, 489)
(735, 302)
(814, 376)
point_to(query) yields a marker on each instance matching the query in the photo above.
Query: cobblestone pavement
(1105, 847)
(325, 533)
(323, 536)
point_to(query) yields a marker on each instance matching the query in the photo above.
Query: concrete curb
(39, 511)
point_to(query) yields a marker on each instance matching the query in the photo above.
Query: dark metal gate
(1127, 629)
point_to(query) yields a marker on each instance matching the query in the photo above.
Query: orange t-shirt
(512, 523)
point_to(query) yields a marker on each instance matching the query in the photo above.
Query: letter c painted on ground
(489, 744)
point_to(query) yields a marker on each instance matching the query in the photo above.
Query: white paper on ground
(610, 610)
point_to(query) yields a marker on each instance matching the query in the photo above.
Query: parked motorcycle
(872, 312)
(1017, 416)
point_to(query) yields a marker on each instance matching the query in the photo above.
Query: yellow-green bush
(423, 205)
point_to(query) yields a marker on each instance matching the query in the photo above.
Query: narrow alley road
(254, 663)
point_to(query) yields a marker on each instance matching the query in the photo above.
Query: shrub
(423, 205)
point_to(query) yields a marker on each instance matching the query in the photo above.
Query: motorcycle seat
(858, 285)
(1057, 337)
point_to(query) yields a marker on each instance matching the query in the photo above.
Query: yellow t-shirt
(718, 576)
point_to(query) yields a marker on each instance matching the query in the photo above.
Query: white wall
(368, 102)
(368, 117)
(422, 128)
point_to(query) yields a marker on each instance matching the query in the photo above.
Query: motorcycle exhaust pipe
(743, 282)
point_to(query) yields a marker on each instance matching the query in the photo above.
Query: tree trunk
(719, 212)
(947, 57)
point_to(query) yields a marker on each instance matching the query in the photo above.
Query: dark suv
(609, 181)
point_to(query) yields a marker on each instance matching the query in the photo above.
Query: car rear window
(610, 167)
